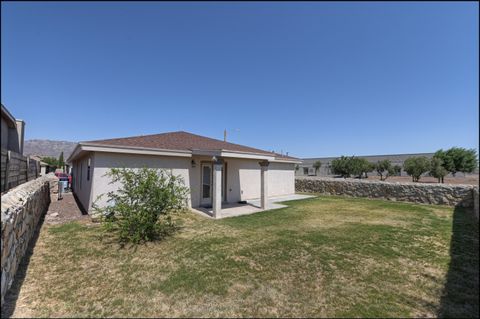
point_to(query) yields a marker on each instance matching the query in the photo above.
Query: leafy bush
(140, 208)
(416, 166)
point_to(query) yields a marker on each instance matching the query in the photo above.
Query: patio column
(264, 184)
(217, 188)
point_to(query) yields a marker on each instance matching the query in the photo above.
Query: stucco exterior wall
(243, 179)
(242, 176)
(82, 181)
(104, 161)
(281, 179)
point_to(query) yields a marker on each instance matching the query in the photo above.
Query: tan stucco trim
(232, 154)
(287, 161)
(8, 116)
(84, 147)
(167, 152)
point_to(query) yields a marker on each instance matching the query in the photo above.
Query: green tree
(340, 166)
(384, 168)
(51, 161)
(317, 166)
(397, 170)
(347, 166)
(458, 159)
(416, 166)
(369, 168)
(141, 208)
(437, 169)
(61, 162)
(358, 166)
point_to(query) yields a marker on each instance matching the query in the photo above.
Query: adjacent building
(13, 131)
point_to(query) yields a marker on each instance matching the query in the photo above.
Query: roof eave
(12, 121)
(95, 147)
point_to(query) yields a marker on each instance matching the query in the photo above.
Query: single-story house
(215, 171)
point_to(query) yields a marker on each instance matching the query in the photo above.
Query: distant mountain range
(48, 148)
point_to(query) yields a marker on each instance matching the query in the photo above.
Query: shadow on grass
(10, 301)
(460, 294)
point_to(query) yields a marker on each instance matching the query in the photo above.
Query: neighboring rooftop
(182, 141)
(11, 121)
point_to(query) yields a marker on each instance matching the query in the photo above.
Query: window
(207, 171)
(88, 170)
(305, 171)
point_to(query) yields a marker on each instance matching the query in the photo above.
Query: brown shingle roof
(183, 141)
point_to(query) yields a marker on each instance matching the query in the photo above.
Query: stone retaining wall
(22, 208)
(476, 204)
(441, 194)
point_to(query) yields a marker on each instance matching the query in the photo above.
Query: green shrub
(140, 209)
(416, 166)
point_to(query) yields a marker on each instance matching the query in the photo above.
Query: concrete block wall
(476, 204)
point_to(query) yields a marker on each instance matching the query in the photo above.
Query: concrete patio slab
(251, 207)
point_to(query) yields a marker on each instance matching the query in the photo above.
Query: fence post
(7, 171)
(28, 167)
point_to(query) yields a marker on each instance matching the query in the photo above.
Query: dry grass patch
(321, 257)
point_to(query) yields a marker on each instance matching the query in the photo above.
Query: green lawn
(321, 257)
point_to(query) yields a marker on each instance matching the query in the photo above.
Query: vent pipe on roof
(225, 135)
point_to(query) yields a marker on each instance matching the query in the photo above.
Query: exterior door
(206, 193)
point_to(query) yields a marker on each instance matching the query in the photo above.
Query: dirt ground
(64, 210)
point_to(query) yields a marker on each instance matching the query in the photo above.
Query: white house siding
(105, 161)
(82, 182)
(281, 179)
(243, 176)
(243, 179)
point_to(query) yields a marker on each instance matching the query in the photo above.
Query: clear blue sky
(313, 79)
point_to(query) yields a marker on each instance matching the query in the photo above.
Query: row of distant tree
(453, 160)
(54, 163)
